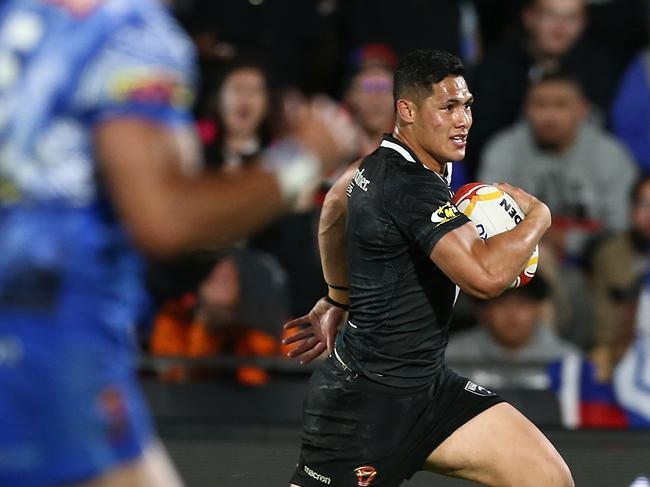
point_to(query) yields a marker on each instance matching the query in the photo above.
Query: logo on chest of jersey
(444, 214)
(366, 475)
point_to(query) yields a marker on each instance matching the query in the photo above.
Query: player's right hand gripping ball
(494, 211)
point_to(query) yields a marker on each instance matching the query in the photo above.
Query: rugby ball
(493, 211)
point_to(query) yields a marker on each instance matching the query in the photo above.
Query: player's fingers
(303, 347)
(510, 189)
(301, 335)
(296, 322)
(503, 186)
(313, 353)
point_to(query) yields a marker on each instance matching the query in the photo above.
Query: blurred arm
(166, 208)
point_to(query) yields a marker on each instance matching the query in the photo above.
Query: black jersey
(400, 302)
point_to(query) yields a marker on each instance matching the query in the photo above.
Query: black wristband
(339, 288)
(331, 301)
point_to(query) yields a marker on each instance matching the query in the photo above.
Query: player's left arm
(325, 318)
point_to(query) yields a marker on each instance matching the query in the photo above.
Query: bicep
(140, 162)
(335, 207)
(457, 254)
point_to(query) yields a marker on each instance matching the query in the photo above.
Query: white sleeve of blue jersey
(632, 374)
(143, 69)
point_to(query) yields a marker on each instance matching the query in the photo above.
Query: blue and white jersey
(70, 280)
(65, 66)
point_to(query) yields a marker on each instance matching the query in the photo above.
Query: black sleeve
(419, 203)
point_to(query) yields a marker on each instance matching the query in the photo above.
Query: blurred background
(562, 109)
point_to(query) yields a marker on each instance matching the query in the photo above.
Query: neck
(406, 137)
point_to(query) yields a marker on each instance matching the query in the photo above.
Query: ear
(406, 110)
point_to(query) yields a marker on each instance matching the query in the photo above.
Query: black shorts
(357, 432)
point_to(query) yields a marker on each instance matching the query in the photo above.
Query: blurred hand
(324, 127)
(325, 321)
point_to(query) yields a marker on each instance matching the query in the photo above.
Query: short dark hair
(420, 69)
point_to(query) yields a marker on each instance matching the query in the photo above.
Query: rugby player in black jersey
(383, 405)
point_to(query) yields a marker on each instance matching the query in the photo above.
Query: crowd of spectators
(562, 109)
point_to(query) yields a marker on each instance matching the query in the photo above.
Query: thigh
(70, 410)
(356, 432)
(153, 468)
(500, 447)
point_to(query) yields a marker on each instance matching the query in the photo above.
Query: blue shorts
(70, 406)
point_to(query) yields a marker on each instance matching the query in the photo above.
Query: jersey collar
(395, 144)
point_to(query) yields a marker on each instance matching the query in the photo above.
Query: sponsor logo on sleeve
(478, 390)
(360, 181)
(444, 214)
(366, 475)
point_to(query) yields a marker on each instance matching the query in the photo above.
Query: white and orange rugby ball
(494, 211)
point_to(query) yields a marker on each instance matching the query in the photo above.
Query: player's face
(443, 120)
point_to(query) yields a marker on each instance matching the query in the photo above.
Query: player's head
(433, 103)
(554, 25)
(555, 108)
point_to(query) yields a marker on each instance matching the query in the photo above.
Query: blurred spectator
(237, 130)
(585, 400)
(631, 109)
(370, 98)
(239, 309)
(618, 264)
(552, 40)
(632, 374)
(583, 174)
(292, 241)
(510, 330)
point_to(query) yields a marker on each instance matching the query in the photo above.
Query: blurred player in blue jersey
(97, 158)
